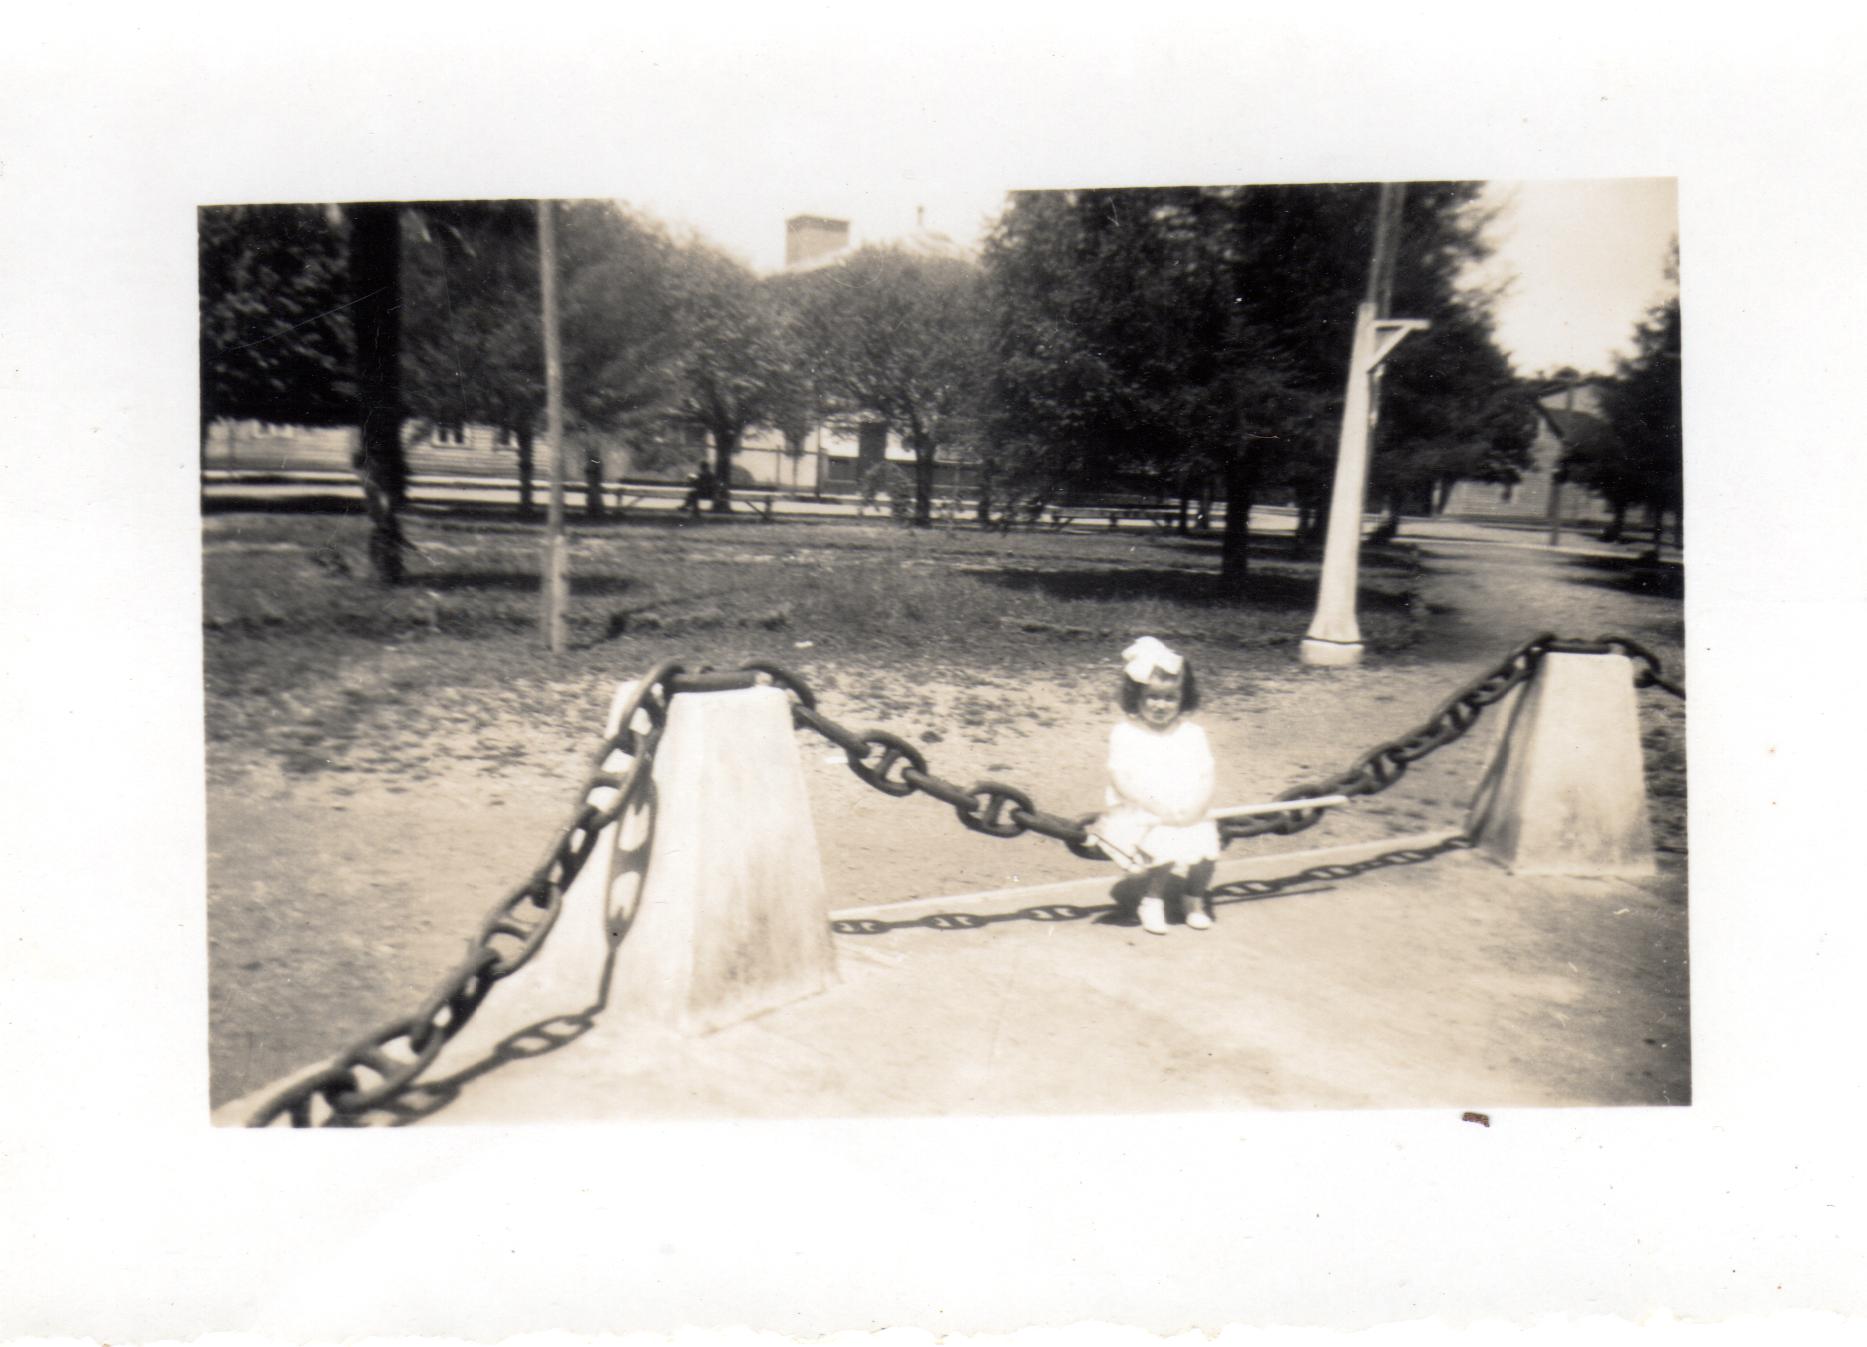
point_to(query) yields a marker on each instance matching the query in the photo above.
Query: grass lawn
(288, 605)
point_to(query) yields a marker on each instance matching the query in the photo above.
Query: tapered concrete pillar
(1565, 790)
(731, 918)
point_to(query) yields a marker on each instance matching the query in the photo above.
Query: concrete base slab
(1329, 654)
(1414, 973)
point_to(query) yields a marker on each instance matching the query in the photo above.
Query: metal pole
(554, 586)
(1334, 636)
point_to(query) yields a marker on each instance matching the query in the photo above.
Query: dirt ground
(338, 898)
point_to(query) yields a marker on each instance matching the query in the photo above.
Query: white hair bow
(1147, 657)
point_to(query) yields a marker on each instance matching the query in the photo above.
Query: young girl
(1160, 786)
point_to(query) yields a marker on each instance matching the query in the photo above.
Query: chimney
(808, 237)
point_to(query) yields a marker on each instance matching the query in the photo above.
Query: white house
(1563, 413)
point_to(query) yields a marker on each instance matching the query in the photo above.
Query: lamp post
(1334, 636)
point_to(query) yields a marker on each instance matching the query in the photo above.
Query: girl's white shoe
(1154, 916)
(1196, 915)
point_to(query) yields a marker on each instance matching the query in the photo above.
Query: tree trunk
(1185, 526)
(923, 481)
(376, 307)
(1389, 528)
(982, 509)
(1241, 472)
(526, 507)
(1309, 520)
(593, 483)
(725, 445)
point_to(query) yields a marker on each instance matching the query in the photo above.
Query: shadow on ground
(1265, 588)
(518, 582)
(1125, 894)
(1630, 575)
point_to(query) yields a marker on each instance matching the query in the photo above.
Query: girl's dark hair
(1131, 691)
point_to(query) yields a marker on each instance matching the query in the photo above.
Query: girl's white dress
(1160, 787)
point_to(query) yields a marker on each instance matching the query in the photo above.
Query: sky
(1584, 259)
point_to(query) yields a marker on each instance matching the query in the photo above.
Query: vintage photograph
(1100, 650)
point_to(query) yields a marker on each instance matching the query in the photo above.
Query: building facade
(1564, 414)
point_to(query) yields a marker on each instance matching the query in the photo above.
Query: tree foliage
(1155, 334)
(1642, 461)
(898, 334)
(1179, 333)
(475, 343)
(735, 367)
(1452, 408)
(275, 330)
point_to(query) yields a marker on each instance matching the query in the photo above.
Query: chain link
(382, 1064)
(999, 810)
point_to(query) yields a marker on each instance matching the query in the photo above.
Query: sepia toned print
(645, 684)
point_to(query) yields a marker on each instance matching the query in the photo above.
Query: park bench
(1162, 517)
(761, 501)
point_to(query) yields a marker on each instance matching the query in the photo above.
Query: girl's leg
(1154, 903)
(1198, 910)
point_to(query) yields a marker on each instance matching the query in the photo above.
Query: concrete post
(732, 918)
(1334, 637)
(1564, 792)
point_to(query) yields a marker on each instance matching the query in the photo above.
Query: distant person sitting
(702, 488)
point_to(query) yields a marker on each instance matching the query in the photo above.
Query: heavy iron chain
(1383, 765)
(896, 767)
(379, 1066)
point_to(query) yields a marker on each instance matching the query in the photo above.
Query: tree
(375, 273)
(901, 335)
(734, 366)
(475, 347)
(301, 322)
(276, 337)
(473, 350)
(371, 314)
(1082, 295)
(1452, 409)
(622, 330)
(1173, 334)
(1645, 459)
(1190, 332)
